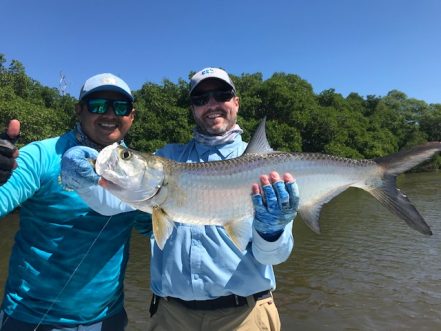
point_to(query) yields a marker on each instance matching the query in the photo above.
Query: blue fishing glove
(77, 169)
(282, 201)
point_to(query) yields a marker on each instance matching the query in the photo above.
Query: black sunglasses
(100, 106)
(219, 96)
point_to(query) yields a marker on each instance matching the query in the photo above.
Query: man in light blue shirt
(200, 279)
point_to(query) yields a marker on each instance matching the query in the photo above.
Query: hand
(8, 152)
(282, 201)
(76, 168)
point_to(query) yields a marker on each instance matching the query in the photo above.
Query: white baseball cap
(207, 73)
(105, 82)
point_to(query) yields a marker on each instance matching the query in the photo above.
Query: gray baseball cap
(207, 73)
(105, 82)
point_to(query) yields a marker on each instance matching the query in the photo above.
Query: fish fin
(387, 193)
(310, 214)
(239, 232)
(310, 217)
(162, 226)
(259, 143)
(399, 204)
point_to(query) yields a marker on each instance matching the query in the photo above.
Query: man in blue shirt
(66, 270)
(200, 280)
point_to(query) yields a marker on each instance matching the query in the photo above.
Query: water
(366, 271)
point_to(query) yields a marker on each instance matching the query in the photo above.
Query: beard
(215, 122)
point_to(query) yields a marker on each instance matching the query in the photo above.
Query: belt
(229, 301)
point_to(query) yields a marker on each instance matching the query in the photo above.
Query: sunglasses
(219, 96)
(100, 106)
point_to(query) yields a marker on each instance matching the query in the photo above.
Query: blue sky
(364, 46)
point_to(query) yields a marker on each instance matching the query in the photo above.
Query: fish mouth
(124, 180)
(105, 164)
(102, 161)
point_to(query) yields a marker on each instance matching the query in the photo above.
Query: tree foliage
(42, 111)
(297, 118)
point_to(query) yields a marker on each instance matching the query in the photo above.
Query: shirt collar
(224, 149)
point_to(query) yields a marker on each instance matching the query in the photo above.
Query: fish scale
(218, 192)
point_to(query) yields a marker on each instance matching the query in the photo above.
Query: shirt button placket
(196, 256)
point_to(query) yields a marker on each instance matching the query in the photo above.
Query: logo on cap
(108, 80)
(207, 71)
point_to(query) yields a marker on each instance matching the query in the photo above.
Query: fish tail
(398, 203)
(390, 196)
(404, 160)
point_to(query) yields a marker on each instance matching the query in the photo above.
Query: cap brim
(108, 88)
(211, 78)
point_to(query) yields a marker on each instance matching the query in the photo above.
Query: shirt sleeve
(102, 201)
(275, 252)
(25, 179)
(105, 203)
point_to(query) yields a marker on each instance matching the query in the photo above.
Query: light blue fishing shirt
(201, 262)
(48, 280)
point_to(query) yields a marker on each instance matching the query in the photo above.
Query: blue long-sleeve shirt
(48, 280)
(201, 262)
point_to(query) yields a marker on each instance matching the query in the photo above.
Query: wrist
(269, 232)
(270, 236)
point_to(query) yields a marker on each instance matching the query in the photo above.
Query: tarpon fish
(219, 192)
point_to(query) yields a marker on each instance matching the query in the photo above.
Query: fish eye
(125, 154)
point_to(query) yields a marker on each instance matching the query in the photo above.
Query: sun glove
(76, 168)
(282, 202)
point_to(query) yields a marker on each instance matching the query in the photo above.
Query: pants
(117, 322)
(255, 316)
